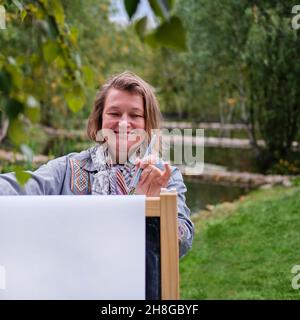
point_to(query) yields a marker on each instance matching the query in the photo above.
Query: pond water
(200, 194)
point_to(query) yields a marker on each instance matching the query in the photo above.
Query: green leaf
(60, 62)
(131, 6)
(5, 82)
(151, 40)
(16, 132)
(20, 6)
(74, 35)
(13, 108)
(22, 176)
(156, 8)
(32, 111)
(172, 34)
(55, 9)
(88, 76)
(52, 28)
(170, 4)
(75, 100)
(79, 80)
(23, 15)
(50, 51)
(140, 27)
(33, 114)
(58, 11)
(15, 72)
(162, 8)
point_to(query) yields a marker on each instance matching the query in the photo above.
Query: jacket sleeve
(46, 180)
(185, 225)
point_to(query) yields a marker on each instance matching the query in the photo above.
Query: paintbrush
(136, 178)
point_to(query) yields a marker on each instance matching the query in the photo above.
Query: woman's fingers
(149, 174)
(144, 175)
(145, 162)
(153, 178)
(166, 174)
(152, 174)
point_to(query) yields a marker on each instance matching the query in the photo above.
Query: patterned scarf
(110, 178)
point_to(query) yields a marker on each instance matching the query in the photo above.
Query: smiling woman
(125, 104)
(123, 112)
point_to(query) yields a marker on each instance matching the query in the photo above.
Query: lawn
(245, 249)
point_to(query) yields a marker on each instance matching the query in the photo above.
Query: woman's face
(123, 113)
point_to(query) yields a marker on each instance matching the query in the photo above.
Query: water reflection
(200, 194)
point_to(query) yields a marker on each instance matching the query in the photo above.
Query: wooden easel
(165, 207)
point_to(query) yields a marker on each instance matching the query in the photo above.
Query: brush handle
(140, 170)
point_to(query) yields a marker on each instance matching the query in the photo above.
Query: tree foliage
(55, 53)
(169, 31)
(39, 57)
(242, 63)
(273, 81)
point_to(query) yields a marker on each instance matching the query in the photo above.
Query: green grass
(245, 250)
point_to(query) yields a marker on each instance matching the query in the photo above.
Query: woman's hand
(152, 178)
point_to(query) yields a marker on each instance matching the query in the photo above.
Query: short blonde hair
(127, 81)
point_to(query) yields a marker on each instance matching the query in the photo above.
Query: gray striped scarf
(110, 179)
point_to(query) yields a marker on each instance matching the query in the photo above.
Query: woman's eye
(113, 114)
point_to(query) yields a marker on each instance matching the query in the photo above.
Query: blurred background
(229, 67)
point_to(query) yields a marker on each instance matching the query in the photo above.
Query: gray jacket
(73, 175)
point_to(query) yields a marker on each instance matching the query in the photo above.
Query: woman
(124, 105)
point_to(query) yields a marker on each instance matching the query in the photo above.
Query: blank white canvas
(72, 247)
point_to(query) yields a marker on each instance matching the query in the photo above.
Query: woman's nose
(124, 117)
(123, 123)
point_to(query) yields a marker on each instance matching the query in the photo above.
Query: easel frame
(165, 207)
